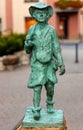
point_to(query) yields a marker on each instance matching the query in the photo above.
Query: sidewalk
(69, 58)
(15, 97)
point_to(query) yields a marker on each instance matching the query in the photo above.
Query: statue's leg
(36, 102)
(50, 92)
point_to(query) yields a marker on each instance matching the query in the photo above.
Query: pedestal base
(47, 121)
(63, 128)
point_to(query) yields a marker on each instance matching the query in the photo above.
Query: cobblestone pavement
(15, 97)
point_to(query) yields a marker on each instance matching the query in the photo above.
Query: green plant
(12, 43)
(68, 3)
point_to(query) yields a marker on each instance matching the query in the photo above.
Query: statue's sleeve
(28, 46)
(56, 49)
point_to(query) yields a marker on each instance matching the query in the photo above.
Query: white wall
(81, 24)
(20, 11)
(2, 15)
(81, 21)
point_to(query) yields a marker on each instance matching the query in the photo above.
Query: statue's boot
(50, 108)
(36, 113)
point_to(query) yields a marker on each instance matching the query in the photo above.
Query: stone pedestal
(47, 121)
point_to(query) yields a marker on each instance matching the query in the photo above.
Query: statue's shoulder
(31, 30)
(32, 27)
(51, 28)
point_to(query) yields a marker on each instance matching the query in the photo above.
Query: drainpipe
(9, 18)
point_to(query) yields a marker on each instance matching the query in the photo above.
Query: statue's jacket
(46, 55)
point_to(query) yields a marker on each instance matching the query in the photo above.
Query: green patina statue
(42, 42)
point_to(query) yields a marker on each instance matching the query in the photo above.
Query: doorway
(65, 28)
(64, 23)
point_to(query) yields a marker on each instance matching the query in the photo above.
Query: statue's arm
(28, 45)
(57, 52)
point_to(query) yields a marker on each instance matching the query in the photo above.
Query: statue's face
(40, 15)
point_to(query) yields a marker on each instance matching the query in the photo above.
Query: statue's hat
(41, 6)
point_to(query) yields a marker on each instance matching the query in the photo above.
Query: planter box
(10, 62)
(68, 4)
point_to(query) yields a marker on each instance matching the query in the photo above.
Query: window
(28, 22)
(31, 0)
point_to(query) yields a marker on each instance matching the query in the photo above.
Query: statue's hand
(62, 70)
(28, 47)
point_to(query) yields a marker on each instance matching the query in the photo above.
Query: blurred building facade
(15, 17)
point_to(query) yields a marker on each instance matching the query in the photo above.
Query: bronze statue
(42, 42)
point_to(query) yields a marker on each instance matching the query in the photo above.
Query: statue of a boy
(42, 42)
